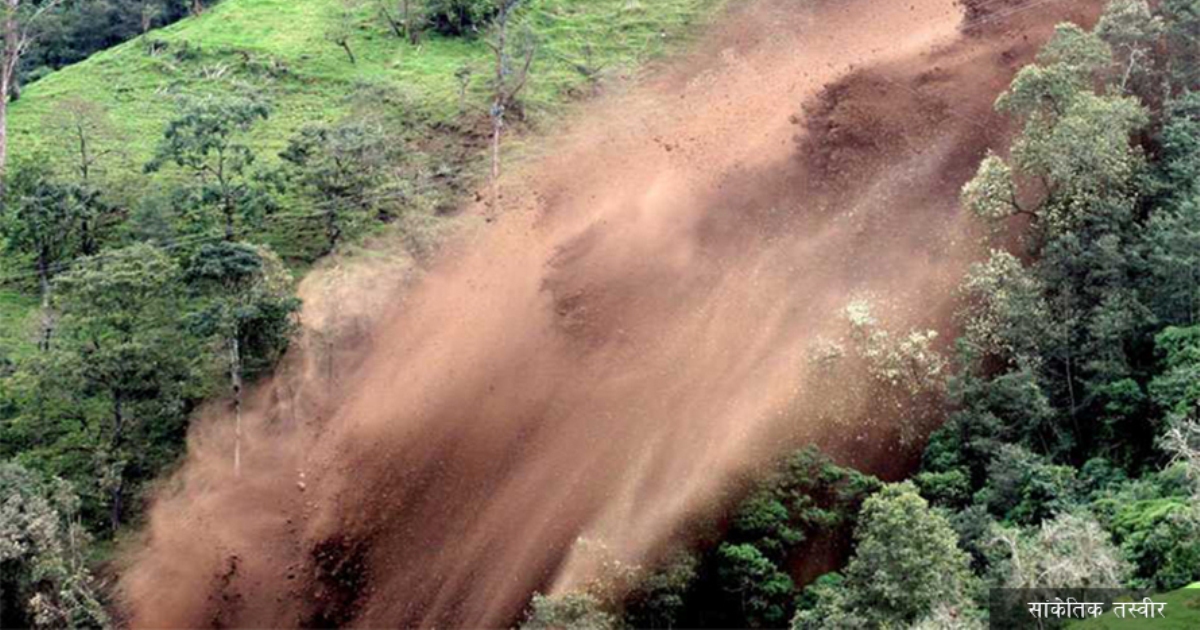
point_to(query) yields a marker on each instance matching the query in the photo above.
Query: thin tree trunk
(87, 235)
(499, 103)
(497, 130)
(230, 228)
(333, 233)
(410, 33)
(3, 127)
(8, 68)
(349, 53)
(115, 513)
(118, 488)
(44, 285)
(235, 374)
(395, 26)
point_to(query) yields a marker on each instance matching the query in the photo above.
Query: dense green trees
(43, 223)
(1078, 349)
(906, 563)
(136, 334)
(119, 371)
(743, 580)
(78, 28)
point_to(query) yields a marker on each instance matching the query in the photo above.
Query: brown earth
(609, 360)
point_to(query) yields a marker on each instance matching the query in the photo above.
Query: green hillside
(280, 48)
(433, 96)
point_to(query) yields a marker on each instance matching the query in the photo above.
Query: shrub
(459, 17)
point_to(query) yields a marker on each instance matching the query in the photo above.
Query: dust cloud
(621, 348)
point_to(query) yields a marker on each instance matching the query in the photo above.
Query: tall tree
(42, 220)
(508, 80)
(85, 129)
(207, 140)
(1075, 316)
(341, 167)
(249, 310)
(907, 562)
(122, 345)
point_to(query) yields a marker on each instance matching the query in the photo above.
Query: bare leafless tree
(408, 25)
(341, 31)
(1182, 442)
(508, 82)
(85, 129)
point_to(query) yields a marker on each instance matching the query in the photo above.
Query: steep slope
(280, 48)
(629, 340)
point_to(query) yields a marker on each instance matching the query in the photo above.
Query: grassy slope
(279, 49)
(135, 86)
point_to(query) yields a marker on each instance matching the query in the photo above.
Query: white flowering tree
(42, 555)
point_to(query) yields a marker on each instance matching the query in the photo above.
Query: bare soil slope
(625, 344)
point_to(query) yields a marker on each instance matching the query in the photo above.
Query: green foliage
(1024, 488)
(906, 559)
(460, 17)
(745, 580)
(41, 217)
(1173, 257)
(1075, 142)
(824, 605)
(44, 580)
(1005, 317)
(1179, 166)
(809, 493)
(992, 194)
(1161, 537)
(207, 141)
(1056, 359)
(1182, 25)
(105, 405)
(658, 599)
(1177, 388)
(1071, 323)
(762, 590)
(1065, 70)
(247, 296)
(342, 167)
(906, 563)
(76, 30)
(572, 611)
(1133, 32)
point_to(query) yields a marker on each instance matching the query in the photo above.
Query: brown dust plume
(627, 342)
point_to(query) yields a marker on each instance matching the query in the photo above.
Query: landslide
(628, 341)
